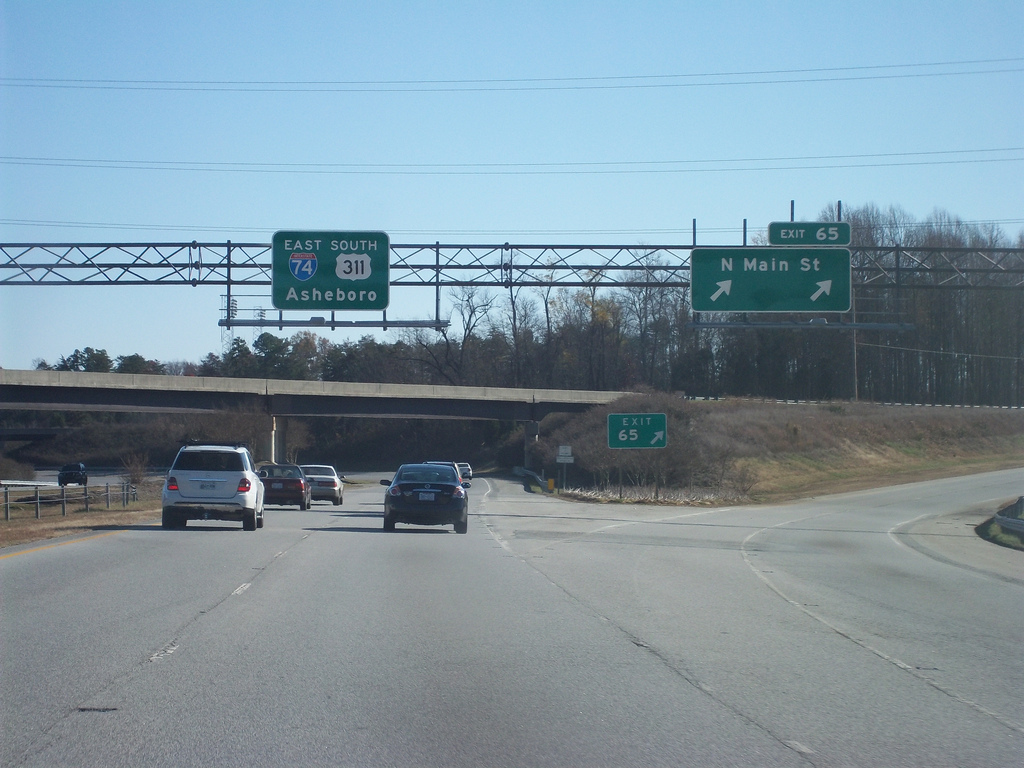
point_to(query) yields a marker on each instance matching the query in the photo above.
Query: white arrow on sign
(825, 286)
(658, 437)
(723, 287)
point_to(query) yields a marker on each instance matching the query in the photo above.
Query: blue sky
(530, 122)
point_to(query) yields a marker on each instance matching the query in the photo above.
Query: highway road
(865, 629)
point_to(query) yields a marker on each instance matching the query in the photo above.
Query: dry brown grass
(25, 530)
(792, 451)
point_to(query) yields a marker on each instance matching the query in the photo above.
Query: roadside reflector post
(64, 501)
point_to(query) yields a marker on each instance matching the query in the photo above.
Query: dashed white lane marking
(242, 588)
(796, 746)
(164, 652)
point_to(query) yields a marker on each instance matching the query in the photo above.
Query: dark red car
(285, 484)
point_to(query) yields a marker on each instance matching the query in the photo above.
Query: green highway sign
(770, 279)
(330, 270)
(809, 233)
(637, 430)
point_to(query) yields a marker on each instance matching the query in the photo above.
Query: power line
(720, 165)
(942, 352)
(432, 234)
(690, 80)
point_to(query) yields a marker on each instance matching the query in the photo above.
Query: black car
(72, 474)
(426, 494)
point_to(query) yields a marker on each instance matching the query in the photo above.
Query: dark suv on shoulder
(72, 474)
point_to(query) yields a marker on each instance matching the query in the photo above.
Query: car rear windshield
(424, 475)
(277, 471)
(210, 461)
(318, 470)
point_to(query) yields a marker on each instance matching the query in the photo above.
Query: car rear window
(422, 475)
(273, 471)
(318, 470)
(209, 461)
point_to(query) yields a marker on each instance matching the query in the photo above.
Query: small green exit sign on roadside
(637, 430)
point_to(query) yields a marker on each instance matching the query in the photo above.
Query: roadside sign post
(564, 458)
(772, 279)
(637, 430)
(330, 270)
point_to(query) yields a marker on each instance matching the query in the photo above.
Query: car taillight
(394, 490)
(459, 492)
(172, 484)
(244, 485)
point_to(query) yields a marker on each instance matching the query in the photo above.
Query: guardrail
(1014, 521)
(37, 496)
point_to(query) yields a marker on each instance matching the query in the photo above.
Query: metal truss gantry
(437, 267)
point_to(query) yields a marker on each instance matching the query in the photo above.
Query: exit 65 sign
(637, 430)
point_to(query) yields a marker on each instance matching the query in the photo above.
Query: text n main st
(774, 279)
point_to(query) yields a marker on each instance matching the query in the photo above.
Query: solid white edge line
(1001, 719)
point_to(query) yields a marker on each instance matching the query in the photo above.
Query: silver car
(326, 482)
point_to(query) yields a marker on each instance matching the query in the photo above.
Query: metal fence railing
(47, 500)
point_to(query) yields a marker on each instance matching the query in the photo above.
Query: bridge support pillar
(278, 439)
(531, 434)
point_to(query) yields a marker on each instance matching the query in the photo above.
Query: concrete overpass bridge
(70, 390)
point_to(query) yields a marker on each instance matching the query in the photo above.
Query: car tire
(259, 520)
(249, 520)
(303, 504)
(461, 526)
(338, 500)
(389, 524)
(168, 519)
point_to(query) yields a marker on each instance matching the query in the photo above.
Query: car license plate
(207, 486)
(277, 485)
(426, 496)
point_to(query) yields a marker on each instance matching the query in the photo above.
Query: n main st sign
(770, 279)
(330, 270)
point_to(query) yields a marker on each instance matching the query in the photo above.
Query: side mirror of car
(385, 482)
(466, 484)
(263, 473)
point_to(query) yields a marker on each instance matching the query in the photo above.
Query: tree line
(959, 346)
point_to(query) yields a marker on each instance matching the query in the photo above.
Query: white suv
(213, 482)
